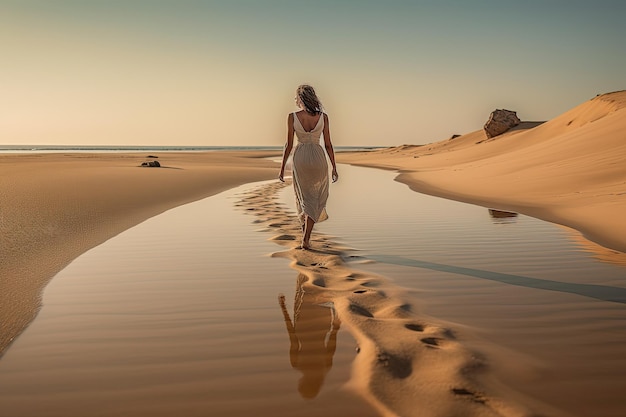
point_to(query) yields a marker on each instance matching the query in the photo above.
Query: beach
(568, 170)
(57, 206)
(416, 354)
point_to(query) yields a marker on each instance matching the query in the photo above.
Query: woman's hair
(309, 99)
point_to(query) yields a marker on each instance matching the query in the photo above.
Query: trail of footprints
(361, 298)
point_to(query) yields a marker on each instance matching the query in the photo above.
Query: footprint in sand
(284, 237)
(361, 311)
(406, 308)
(462, 392)
(398, 366)
(431, 341)
(354, 276)
(371, 284)
(415, 327)
(319, 282)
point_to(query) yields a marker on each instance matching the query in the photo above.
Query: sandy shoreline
(569, 170)
(57, 206)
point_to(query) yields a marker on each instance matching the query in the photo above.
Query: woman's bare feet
(308, 228)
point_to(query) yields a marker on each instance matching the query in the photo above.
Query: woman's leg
(308, 228)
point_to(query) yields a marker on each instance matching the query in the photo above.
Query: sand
(57, 206)
(568, 171)
(408, 364)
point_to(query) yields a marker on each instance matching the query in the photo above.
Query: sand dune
(569, 170)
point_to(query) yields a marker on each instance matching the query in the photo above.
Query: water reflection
(312, 337)
(499, 216)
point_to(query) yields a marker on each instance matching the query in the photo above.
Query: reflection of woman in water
(313, 337)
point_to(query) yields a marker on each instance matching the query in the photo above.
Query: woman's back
(308, 127)
(307, 120)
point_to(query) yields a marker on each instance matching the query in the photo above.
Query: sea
(132, 148)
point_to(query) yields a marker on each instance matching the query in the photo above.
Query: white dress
(310, 172)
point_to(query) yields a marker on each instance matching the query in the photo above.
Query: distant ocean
(62, 148)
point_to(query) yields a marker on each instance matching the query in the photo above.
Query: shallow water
(544, 303)
(392, 220)
(180, 315)
(177, 316)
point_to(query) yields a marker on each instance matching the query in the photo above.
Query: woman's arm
(332, 339)
(329, 147)
(294, 344)
(288, 147)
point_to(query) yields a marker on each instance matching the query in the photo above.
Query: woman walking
(310, 169)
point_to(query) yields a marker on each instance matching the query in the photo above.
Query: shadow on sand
(600, 292)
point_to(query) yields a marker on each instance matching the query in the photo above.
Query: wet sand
(57, 206)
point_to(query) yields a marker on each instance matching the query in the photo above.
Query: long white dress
(310, 172)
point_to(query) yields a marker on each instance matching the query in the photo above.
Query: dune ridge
(569, 170)
(407, 364)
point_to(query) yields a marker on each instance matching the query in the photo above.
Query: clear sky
(182, 72)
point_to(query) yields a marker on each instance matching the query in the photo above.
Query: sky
(224, 73)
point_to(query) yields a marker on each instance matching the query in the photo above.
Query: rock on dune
(568, 170)
(500, 121)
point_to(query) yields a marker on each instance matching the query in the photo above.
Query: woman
(310, 169)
